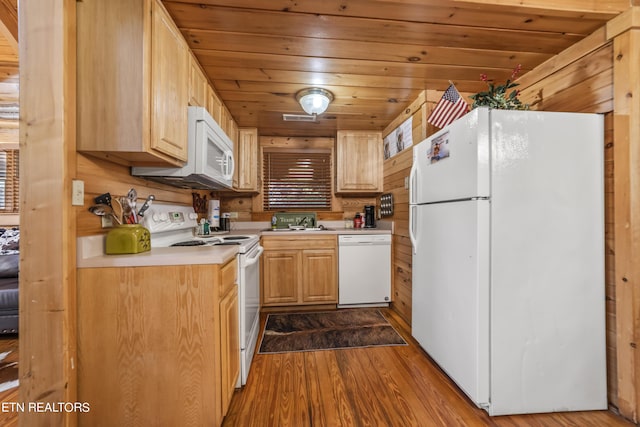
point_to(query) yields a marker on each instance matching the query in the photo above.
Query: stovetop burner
(173, 225)
(190, 243)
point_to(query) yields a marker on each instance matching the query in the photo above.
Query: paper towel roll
(214, 213)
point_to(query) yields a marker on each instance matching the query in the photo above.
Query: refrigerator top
(454, 163)
(462, 160)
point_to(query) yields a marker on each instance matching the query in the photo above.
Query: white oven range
(174, 225)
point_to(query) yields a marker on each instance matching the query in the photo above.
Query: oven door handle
(254, 259)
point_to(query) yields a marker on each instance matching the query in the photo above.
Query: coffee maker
(369, 216)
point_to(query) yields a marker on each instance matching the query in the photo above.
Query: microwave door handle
(229, 165)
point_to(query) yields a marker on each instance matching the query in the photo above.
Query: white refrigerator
(507, 225)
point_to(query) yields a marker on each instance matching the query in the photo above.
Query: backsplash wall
(101, 176)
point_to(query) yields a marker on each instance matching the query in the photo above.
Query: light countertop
(90, 249)
(334, 227)
(90, 254)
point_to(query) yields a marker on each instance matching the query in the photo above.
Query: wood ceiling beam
(577, 6)
(451, 12)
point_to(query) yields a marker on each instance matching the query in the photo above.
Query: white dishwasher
(364, 270)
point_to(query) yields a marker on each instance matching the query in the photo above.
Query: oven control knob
(164, 216)
(193, 215)
(155, 217)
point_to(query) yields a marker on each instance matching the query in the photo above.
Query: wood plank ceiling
(375, 56)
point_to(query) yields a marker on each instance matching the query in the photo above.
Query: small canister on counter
(357, 221)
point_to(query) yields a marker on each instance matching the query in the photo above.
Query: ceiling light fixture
(314, 100)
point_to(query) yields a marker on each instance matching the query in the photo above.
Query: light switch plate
(77, 192)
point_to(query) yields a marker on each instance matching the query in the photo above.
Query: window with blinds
(296, 179)
(9, 181)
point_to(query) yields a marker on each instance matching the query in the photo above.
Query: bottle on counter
(203, 228)
(274, 222)
(357, 221)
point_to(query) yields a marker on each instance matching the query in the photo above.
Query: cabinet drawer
(229, 276)
(299, 242)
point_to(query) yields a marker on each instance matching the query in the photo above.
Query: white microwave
(210, 160)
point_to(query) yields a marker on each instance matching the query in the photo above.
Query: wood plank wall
(101, 176)
(578, 80)
(395, 171)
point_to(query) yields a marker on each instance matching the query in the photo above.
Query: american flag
(450, 107)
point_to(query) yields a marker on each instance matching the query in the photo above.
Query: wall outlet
(107, 221)
(77, 192)
(406, 182)
(233, 215)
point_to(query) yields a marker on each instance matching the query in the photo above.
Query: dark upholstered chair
(9, 267)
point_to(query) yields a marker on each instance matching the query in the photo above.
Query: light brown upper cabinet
(132, 83)
(359, 162)
(214, 106)
(198, 84)
(245, 176)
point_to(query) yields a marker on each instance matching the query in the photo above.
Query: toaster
(128, 239)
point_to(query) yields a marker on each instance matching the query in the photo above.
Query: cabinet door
(359, 162)
(232, 129)
(214, 105)
(246, 156)
(319, 276)
(230, 346)
(147, 333)
(197, 84)
(224, 119)
(280, 277)
(169, 86)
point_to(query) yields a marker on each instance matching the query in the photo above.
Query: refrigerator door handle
(413, 184)
(412, 220)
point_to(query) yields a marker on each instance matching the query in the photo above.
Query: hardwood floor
(8, 376)
(381, 386)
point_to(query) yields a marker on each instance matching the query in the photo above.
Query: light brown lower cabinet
(155, 344)
(229, 337)
(299, 270)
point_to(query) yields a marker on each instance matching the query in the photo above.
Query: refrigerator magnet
(439, 148)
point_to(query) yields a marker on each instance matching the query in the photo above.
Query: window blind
(295, 179)
(9, 181)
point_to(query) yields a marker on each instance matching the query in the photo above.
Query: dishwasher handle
(360, 240)
(365, 244)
